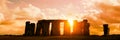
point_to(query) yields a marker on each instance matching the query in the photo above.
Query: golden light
(50, 28)
(71, 25)
(61, 28)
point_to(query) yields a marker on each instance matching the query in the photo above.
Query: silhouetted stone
(106, 29)
(32, 29)
(39, 28)
(66, 28)
(27, 25)
(75, 24)
(29, 29)
(86, 27)
(77, 30)
(45, 29)
(55, 30)
(43, 26)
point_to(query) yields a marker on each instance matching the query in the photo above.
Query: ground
(115, 37)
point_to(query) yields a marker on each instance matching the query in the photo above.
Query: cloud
(30, 12)
(1, 17)
(110, 13)
(33, 13)
(12, 20)
(97, 12)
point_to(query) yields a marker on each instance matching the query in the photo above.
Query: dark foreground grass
(59, 38)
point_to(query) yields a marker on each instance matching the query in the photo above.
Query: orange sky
(14, 13)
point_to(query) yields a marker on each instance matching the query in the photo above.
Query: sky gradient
(14, 13)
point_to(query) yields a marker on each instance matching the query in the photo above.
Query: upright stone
(32, 29)
(86, 27)
(45, 30)
(27, 25)
(39, 28)
(77, 28)
(106, 29)
(55, 30)
(66, 28)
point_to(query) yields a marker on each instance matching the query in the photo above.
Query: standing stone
(39, 28)
(82, 27)
(87, 33)
(106, 29)
(27, 25)
(45, 30)
(86, 27)
(66, 28)
(77, 28)
(55, 31)
(32, 29)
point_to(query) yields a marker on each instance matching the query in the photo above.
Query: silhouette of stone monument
(106, 29)
(27, 28)
(39, 28)
(77, 30)
(66, 28)
(81, 28)
(86, 27)
(32, 29)
(55, 30)
(43, 28)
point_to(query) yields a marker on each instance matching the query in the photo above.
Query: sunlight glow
(61, 28)
(71, 25)
(50, 28)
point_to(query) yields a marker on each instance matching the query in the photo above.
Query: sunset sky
(14, 13)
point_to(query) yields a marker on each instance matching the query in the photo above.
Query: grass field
(59, 38)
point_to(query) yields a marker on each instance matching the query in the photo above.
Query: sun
(71, 25)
